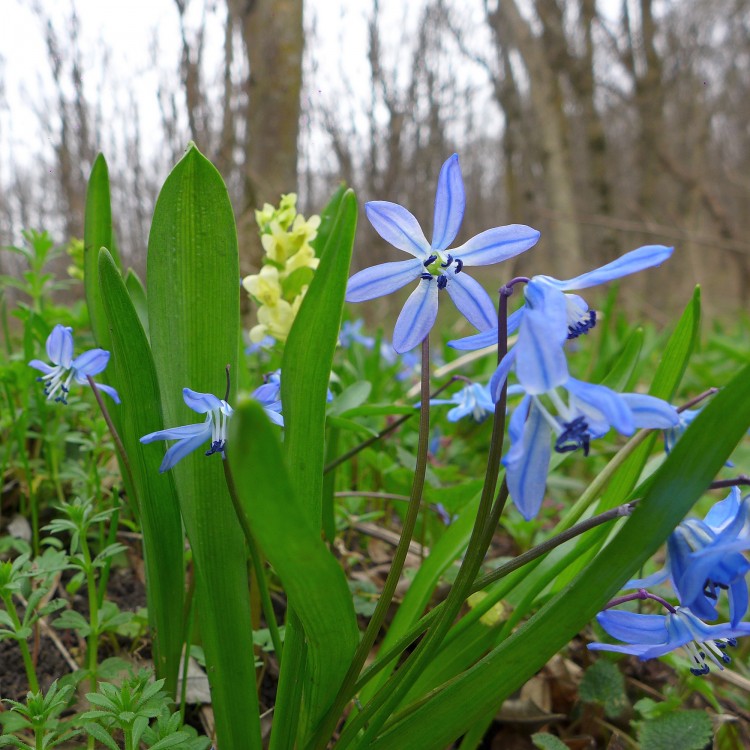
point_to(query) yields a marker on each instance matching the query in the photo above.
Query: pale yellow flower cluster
(288, 267)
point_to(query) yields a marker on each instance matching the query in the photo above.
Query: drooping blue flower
(66, 369)
(550, 316)
(192, 436)
(705, 557)
(650, 636)
(351, 333)
(432, 264)
(473, 400)
(269, 397)
(254, 347)
(589, 413)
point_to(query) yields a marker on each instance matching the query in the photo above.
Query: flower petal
(398, 227)
(201, 402)
(110, 391)
(91, 363)
(417, 318)
(274, 416)
(497, 244)
(632, 262)
(450, 202)
(649, 411)
(604, 402)
(179, 433)
(527, 462)
(382, 279)
(60, 345)
(633, 627)
(181, 448)
(488, 337)
(501, 374)
(471, 299)
(37, 364)
(723, 512)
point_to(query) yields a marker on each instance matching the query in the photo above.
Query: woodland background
(606, 125)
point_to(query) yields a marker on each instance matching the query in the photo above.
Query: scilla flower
(588, 413)
(432, 264)
(649, 636)
(472, 400)
(705, 557)
(561, 315)
(190, 437)
(65, 369)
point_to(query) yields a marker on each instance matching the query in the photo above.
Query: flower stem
(641, 594)
(255, 557)
(93, 596)
(329, 721)
(377, 711)
(738, 481)
(23, 646)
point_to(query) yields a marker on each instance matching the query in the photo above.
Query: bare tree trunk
(273, 38)
(546, 102)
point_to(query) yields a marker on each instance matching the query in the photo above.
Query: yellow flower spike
(277, 319)
(264, 286)
(303, 258)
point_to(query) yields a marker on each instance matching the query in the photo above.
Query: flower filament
(572, 429)
(701, 651)
(57, 380)
(219, 422)
(435, 264)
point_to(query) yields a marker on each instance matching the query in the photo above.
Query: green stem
(189, 619)
(92, 651)
(28, 662)
(381, 706)
(329, 721)
(260, 572)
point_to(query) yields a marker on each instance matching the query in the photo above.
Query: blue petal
(633, 627)
(266, 394)
(632, 262)
(597, 401)
(60, 346)
(738, 600)
(91, 363)
(618, 648)
(501, 374)
(274, 416)
(527, 462)
(110, 391)
(496, 245)
(488, 337)
(653, 580)
(398, 227)
(201, 402)
(417, 318)
(649, 411)
(382, 279)
(540, 356)
(450, 202)
(179, 433)
(181, 448)
(472, 300)
(723, 512)
(37, 364)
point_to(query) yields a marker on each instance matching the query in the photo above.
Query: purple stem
(640, 594)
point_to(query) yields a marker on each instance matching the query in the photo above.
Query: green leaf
(545, 741)
(688, 730)
(137, 293)
(685, 475)
(313, 580)
(100, 734)
(350, 398)
(193, 309)
(604, 684)
(328, 220)
(135, 377)
(292, 284)
(618, 377)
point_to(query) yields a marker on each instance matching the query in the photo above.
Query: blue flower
(190, 437)
(550, 316)
(57, 378)
(705, 557)
(269, 397)
(432, 264)
(473, 399)
(351, 332)
(649, 636)
(588, 414)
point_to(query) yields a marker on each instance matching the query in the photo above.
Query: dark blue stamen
(426, 276)
(442, 281)
(216, 447)
(430, 260)
(700, 671)
(575, 435)
(732, 642)
(459, 265)
(447, 262)
(582, 326)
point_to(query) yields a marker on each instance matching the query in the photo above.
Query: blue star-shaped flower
(65, 369)
(433, 265)
(550, 316)
(589, 413)
(649, 636)
(705, 557)
(472, 400)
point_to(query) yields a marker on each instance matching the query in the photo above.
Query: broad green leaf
(618, 377)
(134, 372)
(687, 472)
(306, 369)
(328, 220)
(604, 684)
(193, 310)
(137, 294)
(350, 398)
(688, 730)
(312, 579)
